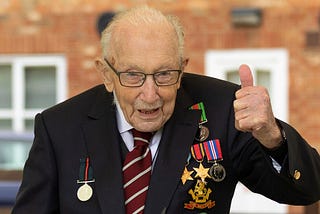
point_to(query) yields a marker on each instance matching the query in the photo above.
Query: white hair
(139, 16)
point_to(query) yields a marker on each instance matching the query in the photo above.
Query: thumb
(245, 75)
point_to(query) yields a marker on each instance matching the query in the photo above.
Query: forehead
(145, 41)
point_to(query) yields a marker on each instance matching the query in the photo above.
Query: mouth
(149, 113)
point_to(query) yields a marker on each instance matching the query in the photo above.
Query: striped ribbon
(197, 151)
(200, 106)
(85, 171)
(213, 150)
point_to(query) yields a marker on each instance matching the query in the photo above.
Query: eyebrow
(128, 67)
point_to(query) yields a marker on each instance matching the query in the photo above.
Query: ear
(183, 65)
(106, 74)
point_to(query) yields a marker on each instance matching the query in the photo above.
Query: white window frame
(18, 62)
(218, 62)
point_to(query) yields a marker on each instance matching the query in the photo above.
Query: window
(269, 66)
(28, 84)
(270, 69)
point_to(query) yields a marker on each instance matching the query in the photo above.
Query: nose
(149, 90)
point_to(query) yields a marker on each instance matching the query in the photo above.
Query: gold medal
(217, 172)
(186, 175)
(202, 172)
(84, 192)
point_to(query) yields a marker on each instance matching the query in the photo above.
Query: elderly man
(156, 140)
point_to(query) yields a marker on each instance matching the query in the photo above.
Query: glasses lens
(132, 78)
(166, 77)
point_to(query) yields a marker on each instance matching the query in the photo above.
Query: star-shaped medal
(202, 172)
(186, 175)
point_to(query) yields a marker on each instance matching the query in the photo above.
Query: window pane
(5, 124)
(233, 76)
(28, 124)
(263, 79)
(40, 86)
(5, 86)
(13, 154)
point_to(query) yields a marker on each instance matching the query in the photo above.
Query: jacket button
(297, 174)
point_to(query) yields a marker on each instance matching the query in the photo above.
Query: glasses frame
(118, 73)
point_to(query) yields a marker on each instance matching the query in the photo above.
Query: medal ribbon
(213, 150)
(85, 171)
(197, 151)
(200, 106)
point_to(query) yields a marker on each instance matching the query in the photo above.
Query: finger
(239, 105)
(245, 75)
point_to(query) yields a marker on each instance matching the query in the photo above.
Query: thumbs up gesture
(253, 111)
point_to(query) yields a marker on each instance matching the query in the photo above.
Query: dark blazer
(85, 126)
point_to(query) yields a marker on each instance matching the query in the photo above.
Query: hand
(253, 111)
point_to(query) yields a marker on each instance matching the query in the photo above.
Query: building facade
(51, 45)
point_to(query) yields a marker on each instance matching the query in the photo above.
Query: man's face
(146, 108)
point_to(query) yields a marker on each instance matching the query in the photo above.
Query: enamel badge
(200, 197)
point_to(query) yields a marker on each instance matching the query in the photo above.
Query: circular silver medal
(217, 172)
(84, 192)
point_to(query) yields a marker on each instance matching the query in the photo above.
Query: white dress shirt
(124, 129)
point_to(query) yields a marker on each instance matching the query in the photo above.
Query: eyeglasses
(136, 79)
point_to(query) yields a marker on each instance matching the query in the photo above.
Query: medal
(84, 193)
(213, 150)
(210, 149)
(200, 106)
(202, 172)
(186, 175)
(203, 133)
(217, 172)
(214, 154)
(197, 152)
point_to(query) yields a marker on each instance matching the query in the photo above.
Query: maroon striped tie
(137, 172)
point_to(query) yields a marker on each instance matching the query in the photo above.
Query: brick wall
(68, 26)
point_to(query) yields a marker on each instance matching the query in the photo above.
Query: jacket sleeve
(303, 164)
(38, 191)
(296, 184)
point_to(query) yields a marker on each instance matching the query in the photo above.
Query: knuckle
(236, 104)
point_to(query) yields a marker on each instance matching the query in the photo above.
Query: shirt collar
(123, 125)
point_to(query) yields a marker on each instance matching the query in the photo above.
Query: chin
(148, 127)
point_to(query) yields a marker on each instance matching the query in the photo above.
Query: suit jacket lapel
(174, 149)
(102, 139)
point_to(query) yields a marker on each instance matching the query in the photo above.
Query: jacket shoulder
(204, 86)
(81, 103)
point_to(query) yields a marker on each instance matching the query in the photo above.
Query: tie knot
(141, 138)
